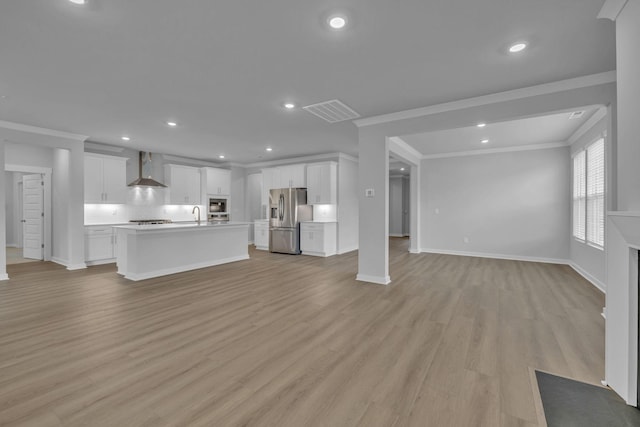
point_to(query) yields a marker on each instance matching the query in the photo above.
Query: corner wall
(347, 205)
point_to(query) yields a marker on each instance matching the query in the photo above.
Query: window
(588, 194)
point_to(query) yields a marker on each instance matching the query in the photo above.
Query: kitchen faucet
(194, 211)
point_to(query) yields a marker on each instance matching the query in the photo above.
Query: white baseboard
(347, 249)
(4, 276)
(379, 280)
(595, 282)
(59, 261)
(79, 266)
(12, 245)
(496, 256)
(100, 262)
(395, 235)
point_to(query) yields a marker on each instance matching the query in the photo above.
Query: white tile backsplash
(324, 213)
(143, 203)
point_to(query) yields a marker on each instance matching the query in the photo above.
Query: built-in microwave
(218, 205)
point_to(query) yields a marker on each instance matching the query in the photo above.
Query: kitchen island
(146, 251)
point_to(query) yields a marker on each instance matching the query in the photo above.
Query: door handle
(23, 220)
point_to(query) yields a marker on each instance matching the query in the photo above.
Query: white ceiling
(551, 128)
(223, 69)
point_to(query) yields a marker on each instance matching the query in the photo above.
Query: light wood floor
(14, 256)
(279, 340)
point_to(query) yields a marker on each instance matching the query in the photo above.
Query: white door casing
(33, 216)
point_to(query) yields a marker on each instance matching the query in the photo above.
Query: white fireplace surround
(621, 347)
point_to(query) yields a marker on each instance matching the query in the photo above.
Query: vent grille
(576, 115)
(333, 111)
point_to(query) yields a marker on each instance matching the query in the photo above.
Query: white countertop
(319, 222)
(179, 225)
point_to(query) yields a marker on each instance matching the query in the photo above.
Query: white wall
(28, 155)
(347, 205)
(513, 204)
(589, 261)
(396, 206)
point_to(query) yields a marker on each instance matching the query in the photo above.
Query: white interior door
(33, 216)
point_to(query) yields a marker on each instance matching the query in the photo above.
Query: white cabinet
(322, 183)
(318, 238)
(184, 185)
(261, 235)
(282, 177)
(99, 244)
(292, 176)
(105, 179)
(215, 181)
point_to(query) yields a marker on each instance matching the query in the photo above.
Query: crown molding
(404, 150)
(293, 160)
(42, 131)
(530, 147)
(205, 163)
(611, 9)
(600, 114)
(511, 95)
(102, 147)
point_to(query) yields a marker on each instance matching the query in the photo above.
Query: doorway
(28, 214)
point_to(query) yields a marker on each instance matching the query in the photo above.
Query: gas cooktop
(150, 221)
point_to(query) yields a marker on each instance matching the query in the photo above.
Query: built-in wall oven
(218, 209)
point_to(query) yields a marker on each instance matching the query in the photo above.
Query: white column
(373, 197)
(75, 215)
(414, 228)
(628, 86)
(3, 219)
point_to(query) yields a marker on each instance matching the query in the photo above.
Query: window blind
(588, 194)
(579, 195)
(595, 193)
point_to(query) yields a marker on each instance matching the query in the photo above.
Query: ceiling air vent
(576, 115)
(332, 111)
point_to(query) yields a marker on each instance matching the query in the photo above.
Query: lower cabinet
(99, 245)
(261, 235)
(318, 238)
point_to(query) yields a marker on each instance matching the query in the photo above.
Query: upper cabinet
(292, 176)
(322, 183)
(216, 182)
(105, 179)
(184, 185)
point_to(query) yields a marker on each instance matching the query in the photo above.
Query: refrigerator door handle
(281, 207)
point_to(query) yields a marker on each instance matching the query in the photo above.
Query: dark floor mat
(569, 403)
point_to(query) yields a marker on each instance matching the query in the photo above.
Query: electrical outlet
(369, 192)
(436, 211)
(466, 239)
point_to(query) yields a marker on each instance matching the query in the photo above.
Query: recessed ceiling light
(269, 149)
(126, 138)
(172, 124)
(401, 169)
(221, 156)
(481, 125)
(517, 47)
(484, 141)
(289, 106)
(78, 1)
(337, 22)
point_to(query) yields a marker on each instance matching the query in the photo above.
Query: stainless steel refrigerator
(287, 207)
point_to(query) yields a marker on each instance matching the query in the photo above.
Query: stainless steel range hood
(148, 181)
